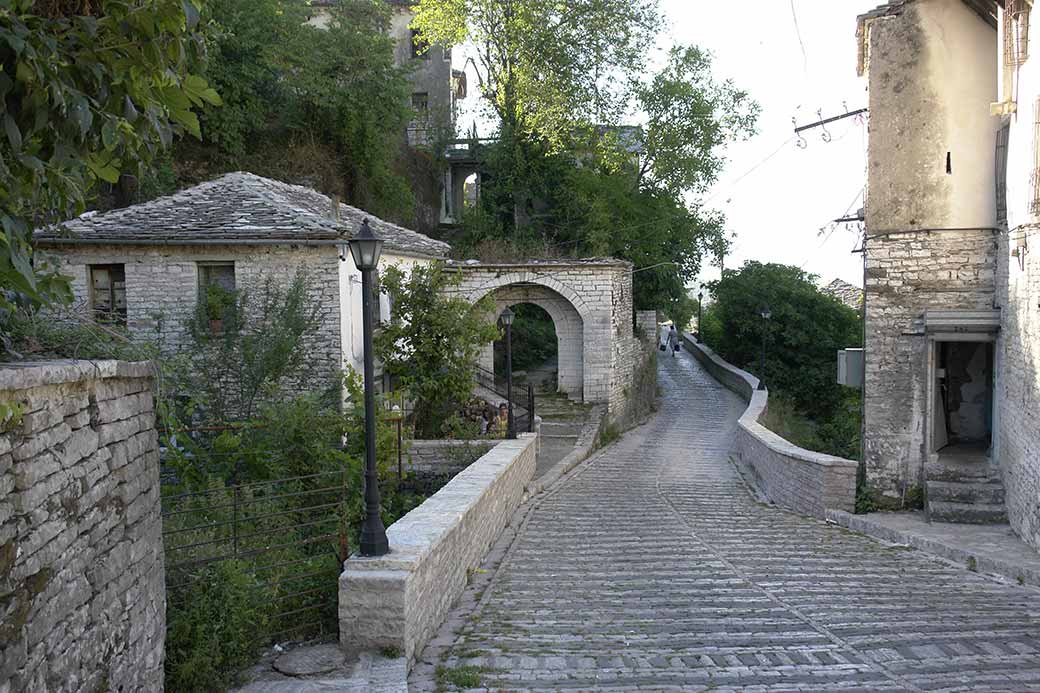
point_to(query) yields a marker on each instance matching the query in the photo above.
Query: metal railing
(523, 406)
(288, 535)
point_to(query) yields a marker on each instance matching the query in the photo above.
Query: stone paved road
(653, 569)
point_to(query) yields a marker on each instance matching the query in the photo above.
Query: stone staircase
(562, 424)
(963, 486)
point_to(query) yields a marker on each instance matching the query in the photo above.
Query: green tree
(322, 103)
(90, 90)
(689, 119)
(803, 334)
(432, 341)
(546, 67)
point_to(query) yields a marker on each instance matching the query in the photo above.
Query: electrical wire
(732, 184)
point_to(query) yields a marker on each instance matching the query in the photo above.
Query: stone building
(145, 267)
(436, 87)
(952, 388)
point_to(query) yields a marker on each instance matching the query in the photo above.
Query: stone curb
(582, 450)
(29, 374)
(950, 552)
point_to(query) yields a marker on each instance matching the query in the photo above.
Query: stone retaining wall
(444, 457)
(399, 600)
(792, 477)
(82, 599)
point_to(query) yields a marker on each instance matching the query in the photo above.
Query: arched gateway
(590, 303)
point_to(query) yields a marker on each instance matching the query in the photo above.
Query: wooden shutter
(1000, 171)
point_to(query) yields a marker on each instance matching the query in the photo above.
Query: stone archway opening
(567, 324)
(535, 349)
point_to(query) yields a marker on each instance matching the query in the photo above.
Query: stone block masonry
(1016, 425)
(82, 597)
(399, 600)
(807, 482)
(162, 290)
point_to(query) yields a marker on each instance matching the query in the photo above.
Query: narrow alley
(652, 568)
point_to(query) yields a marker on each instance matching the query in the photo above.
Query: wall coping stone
(28, 374)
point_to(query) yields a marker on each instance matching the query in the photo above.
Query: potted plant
(218, 300)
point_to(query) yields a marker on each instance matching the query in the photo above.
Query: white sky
(777, 207)
(777, 210)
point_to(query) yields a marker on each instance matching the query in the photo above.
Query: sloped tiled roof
(238, 207)
(849, 294)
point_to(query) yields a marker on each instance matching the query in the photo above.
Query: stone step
(968, 473)
(967, 513)
(989, 493)
(562, 428)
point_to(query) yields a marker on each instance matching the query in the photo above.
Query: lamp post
(700, 304)
(365, 248)
(765, 314)
(507, 322)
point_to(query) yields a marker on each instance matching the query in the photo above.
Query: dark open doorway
(964, 396)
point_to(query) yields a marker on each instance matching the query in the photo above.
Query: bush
(805, 331)
(212, 631)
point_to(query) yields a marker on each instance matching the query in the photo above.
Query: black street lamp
(507, 322)
(700, 304)
(365, 248)
(765, 314)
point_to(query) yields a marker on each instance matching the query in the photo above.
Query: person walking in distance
(673, 340)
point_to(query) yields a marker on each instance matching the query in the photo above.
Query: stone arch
(569, 315)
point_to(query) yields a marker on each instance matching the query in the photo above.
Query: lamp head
(765, 312)
(507, 317)
(366, 247)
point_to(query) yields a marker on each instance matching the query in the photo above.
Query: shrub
(212, 631)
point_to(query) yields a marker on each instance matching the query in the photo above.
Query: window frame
(114, 315)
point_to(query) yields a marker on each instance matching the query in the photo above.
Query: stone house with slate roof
(952, 289)
(146, 266)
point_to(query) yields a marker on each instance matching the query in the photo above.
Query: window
(421, 104)
(1000, 172)
(1016, 32)
(221, 274)
(108, 293)
(420, 48)
(216, 291)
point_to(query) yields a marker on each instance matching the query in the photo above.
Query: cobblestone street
(651, 568)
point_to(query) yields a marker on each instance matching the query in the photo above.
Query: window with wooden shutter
(1000, 172)
(108, 293)
(1016, 32)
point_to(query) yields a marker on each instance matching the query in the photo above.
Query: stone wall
(1016, 443)
(647, 325)
(906, 275)
(807, 482)
(399, 600)
(82, 598)
(444, 457)
(162, 285)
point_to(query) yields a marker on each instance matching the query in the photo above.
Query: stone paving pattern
(652, 568)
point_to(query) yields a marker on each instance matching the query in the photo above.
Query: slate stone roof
(237, 207)
(849, 294)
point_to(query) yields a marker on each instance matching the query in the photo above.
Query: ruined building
(952, 390)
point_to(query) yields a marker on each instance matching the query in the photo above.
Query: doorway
(962, 412)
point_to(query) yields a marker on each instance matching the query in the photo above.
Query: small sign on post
(850, 367)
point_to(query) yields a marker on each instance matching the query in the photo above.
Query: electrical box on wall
(850, 367)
